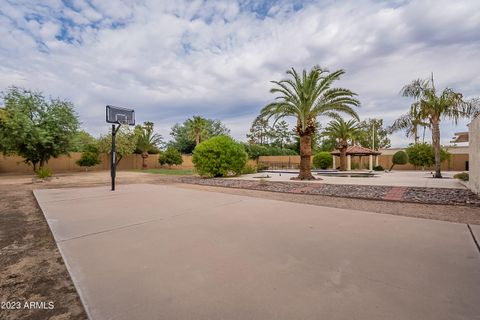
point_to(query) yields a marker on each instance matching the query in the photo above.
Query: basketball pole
(113, 165)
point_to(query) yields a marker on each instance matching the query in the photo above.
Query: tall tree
(35, 128)
(373, 135)
(410, 122)
(344, 133)
(435, 106)
(147, 140)
(197, 128)
(306, 97)
(184, 140)
(281, 134)
(259, 131)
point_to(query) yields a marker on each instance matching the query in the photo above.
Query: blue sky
(173, 59)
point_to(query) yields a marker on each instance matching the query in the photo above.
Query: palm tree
(433, 107)
(342, 132)
(197, 128)
(410, 122)
(307, 97)
(146, 140)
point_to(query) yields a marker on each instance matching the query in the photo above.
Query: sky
(170, 60)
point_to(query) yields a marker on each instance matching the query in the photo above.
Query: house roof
(460, 137)
(357, 151)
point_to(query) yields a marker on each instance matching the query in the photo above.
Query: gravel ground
(444, 196)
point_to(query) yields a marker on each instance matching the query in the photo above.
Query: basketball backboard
(120, 115)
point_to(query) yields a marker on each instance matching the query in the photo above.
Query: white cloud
(171, 60)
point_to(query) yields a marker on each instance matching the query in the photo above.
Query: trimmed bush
(44, 172)
(170, 157)
(219, 156)
(400, 157)
(90, 157)
(462, 176)
(378, 168)
(322, 160)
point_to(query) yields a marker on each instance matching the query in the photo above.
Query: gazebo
(358, 151)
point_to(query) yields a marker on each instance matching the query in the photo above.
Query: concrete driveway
(162, 252)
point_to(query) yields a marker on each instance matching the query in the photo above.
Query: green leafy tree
(90, 156)
(373, 135)
(344, 133)
(435, 106)
(81, 140)
(184, 138)
(219, 156)
(399, 157)
(281, 134)
(170, 157)
(306, 97)
(322, 160)
(423, 155)
(147, 140)
(125, 143)
(259, 132)
(36, 128)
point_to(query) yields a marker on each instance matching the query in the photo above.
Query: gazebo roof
(357, 151)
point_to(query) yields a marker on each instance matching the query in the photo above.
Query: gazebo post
(370, 162)
(376, 160)
(333, 163)
(349, 162)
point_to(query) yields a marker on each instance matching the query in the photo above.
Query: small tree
(322, 160)
(400, 157)
(90, 157)
(423, 155)
(35, 128)
(219, 156)
(170, 157)
(125, 142)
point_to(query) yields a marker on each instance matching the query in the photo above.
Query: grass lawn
(174, 172)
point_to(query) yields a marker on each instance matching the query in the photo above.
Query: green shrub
(322, 160)
(248, 169)
(378, 168)
(90, 156)
(400, 157)
(170, 157)
(462, 176)
(43, 172)
(219, 156)
(422, 155)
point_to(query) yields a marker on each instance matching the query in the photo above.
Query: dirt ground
(33, 269)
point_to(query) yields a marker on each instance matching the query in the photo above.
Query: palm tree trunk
(436, 146)
(197, 139)
(305, 157)
(144, 157)
(343, 159)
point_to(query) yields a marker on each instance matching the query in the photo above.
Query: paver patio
(161, 252)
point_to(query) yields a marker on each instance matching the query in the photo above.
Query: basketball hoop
(119, 116)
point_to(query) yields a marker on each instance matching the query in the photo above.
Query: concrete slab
(476, 231)
(160, 252)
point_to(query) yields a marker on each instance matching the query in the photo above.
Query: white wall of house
(474, 154)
